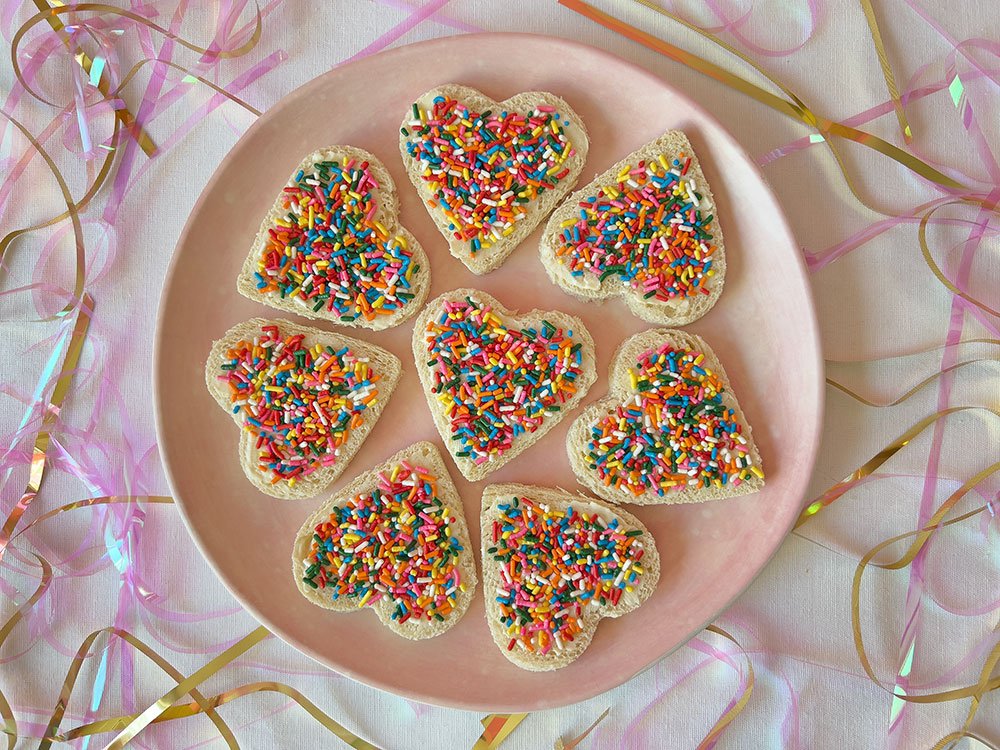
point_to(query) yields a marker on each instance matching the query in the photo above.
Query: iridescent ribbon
(178, 709)
(49, 14)
(164, 709)
(72, 212)
(793, 106)
(52, 729)
(39, 452)
(737, 705)
(104, 173)
(6, 713)
(921, 538)
(122, 113)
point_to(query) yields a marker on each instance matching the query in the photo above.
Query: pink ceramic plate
(710, 552)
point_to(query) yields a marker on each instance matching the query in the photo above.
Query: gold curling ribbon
(102, 175)
(9, 721)
(200, 704)
(122, 115)
(50, 14)
(133, 724)
(72, 211)
(896, 402)
(186, 710)
(837, 490)
(144, 719)
(883, 61)
(571, 744)
(925, 250)
(39, 453)
(19, 613)
(793, 107)
(737, 708)
(918, 352)
(496, 728)
(946, 742)
(52, 728)
(75, 207)
(987, 682)
(91, 501)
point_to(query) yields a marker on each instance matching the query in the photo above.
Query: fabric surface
(928, 627)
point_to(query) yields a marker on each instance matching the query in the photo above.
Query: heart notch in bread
(554, 565)
(489, 172)
(394, 541)
(305, 400)
(671, 429)
(331, 247)
(645, 230)
(497, 380)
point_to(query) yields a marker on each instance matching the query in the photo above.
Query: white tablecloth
(878, 299)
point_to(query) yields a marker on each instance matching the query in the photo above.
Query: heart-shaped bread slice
(331, 247)
(671, 430)
(496, 380)
(490, 172)
(646, 230)
(554, 564)
(395, 541)
(305, 400)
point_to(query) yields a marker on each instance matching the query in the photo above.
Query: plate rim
(811, 321)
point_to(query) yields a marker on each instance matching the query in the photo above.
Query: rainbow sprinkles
(489, 171)
(554, 565)
(329, 248)
(495, 381)
(646, 230)
(394, 543)
(649, 229)
(300, 403)
(677, 435)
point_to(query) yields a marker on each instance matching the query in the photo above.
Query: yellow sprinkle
(757, 471)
